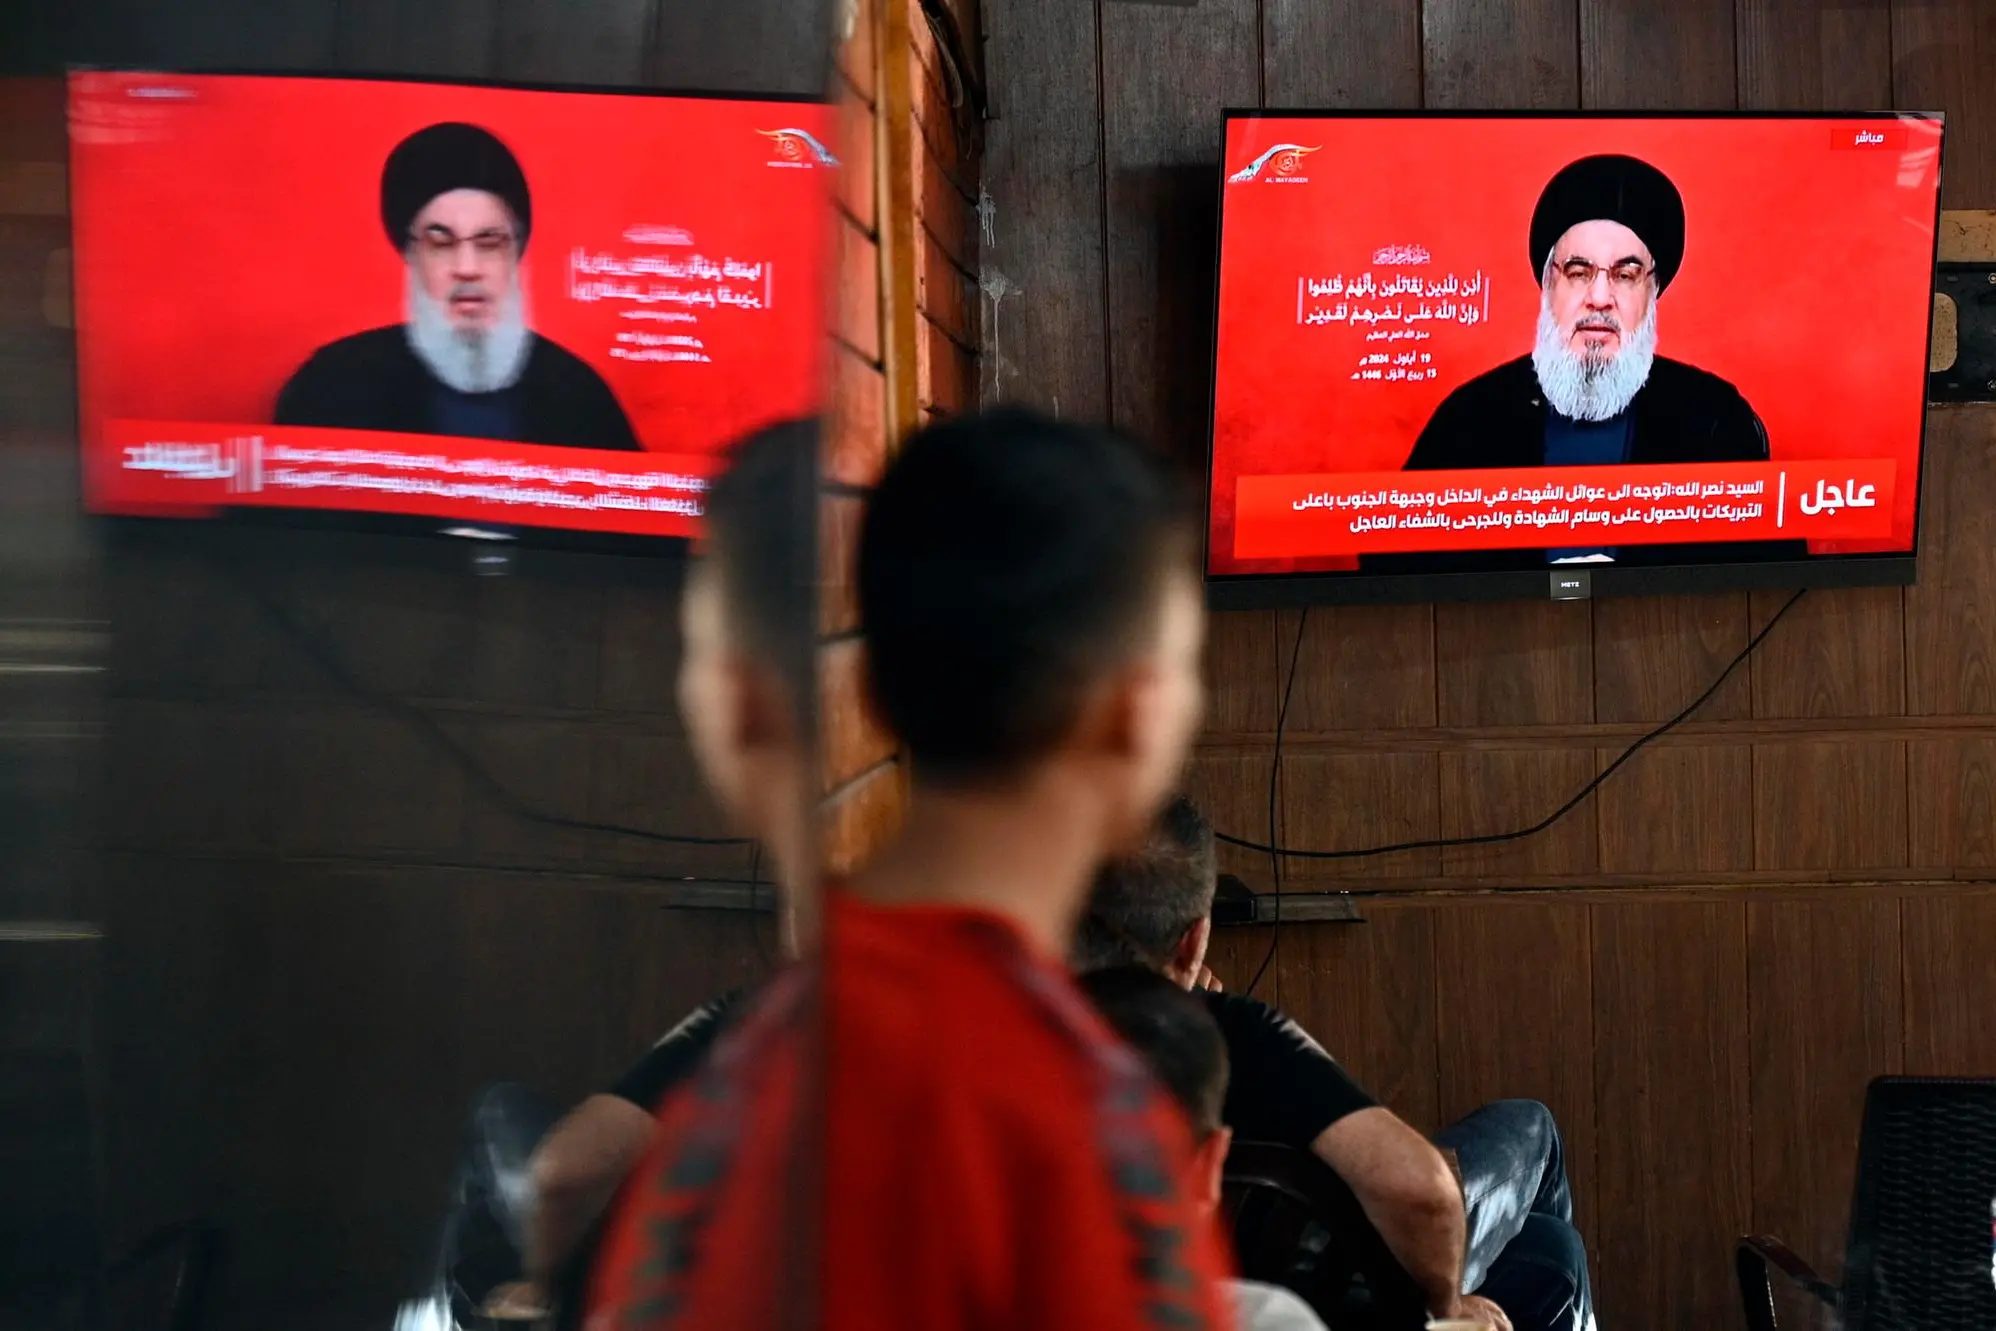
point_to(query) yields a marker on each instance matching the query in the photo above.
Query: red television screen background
(226, 227)
(1805, 281)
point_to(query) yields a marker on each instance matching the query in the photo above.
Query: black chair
(1295, 1223)
(1919, 1256)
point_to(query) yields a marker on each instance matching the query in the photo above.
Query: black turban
(440, 159)
(1612, 188)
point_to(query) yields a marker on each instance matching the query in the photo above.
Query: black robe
(375, 381)
(1498, 419)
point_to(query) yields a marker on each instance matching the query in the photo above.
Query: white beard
(480, 361)
(1582, 388)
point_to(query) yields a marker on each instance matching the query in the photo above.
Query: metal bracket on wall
(1970, 305)
(1237, 903)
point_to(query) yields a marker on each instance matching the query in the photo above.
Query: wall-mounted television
(525, 308)
(1460, 354)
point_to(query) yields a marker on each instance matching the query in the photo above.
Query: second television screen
(1454, 344)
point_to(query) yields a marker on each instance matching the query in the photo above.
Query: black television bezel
(332, 517)
(1276, 591)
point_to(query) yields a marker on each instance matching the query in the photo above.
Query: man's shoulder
(1512, 379)
(1240, 1016)
(362, 351)
(550, 359)
(1682, 380)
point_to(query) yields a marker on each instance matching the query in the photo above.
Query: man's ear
(1210, 1168)
(1190, 954)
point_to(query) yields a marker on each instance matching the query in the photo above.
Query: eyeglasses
(441, 242)
(1625, 276)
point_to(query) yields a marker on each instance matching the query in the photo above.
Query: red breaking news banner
(230, 232)
(1375, 269)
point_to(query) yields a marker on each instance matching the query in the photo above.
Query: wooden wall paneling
(437, 38)
(1638, 55)
(1341, 53)
(858, 184)
(1951, 803)
(1354, 801)
(1246, 662)
(649, 780)
(1510, 53)
(1654, 654)
(852, 738)
(857, 447)
(1830, 805)
(548, 765)
(838, 546)
(1678, 808)
(1825, 1016)
(852, 34)
(1367, 993)
(863, 816)
(1948, 940)
(1814, 54)
(947, 293)
(639, 658)
(1524, 663)
(537, 640)
(1839, 652)
(860, 314)
(892, 287)
(1231, 788)
(947, 215)
(348, 780)
(1672, 1170)
(745, 46)
(1514, 1009)
(1951, 613)
(1042, 264)
(946, 373)
(1487, 791)
(1363, 667)
(1942, 51)
(1162, 138)
(558, 41)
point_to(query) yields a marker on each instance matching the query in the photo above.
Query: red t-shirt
(974, 1146)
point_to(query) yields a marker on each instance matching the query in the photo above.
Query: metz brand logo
(797, 149)
(1283, 162)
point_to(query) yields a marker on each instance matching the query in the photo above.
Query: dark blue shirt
(475, 415)
(1571, 443)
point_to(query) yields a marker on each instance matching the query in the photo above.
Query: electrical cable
(1277, 852)
(1274, 787)
(330, 662)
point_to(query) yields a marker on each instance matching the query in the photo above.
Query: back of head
(761, 543)
(1172, 1032)
(1006, 562)
(1144, 903)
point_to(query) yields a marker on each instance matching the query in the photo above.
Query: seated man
(1181, 1044)
(1501, 1238)
(532, 1191)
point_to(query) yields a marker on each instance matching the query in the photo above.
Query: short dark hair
(760, 540)
(1144, 902)
(1172, 1032)
(1006, 560)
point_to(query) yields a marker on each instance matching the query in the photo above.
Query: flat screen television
(1458, 354)
(506, 306)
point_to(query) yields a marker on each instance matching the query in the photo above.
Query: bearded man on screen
(1607, 238)
(464, 362)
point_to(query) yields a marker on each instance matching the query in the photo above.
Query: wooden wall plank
(1045, 313)
(862, 817)
(1515, 1012)
(1501, 53)
(1367, 992)
(748, 46)
(1672, 1167)
(1484, 792)
(838, 547)
(1341, 53)
(1951, 803)
(1950, 984)
(1814, 54)
(948, 294)
(1527, 663)
(1680, 808)
(1363, 667)
(1231, 789)
(1839, 652)
(1162, 138)
(1824, 1004)
(857, 444)
(858, 183)
(1356, 801)
(1246, 663)
(1942, 51)
(1830, 805)
(850, 736)
(1654, 654)
(946, 374)
(439, 38)
(1951, 613)
(558, 41)
(1637, 55)
(859, 302)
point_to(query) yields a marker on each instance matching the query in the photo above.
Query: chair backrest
(1295, 1223)
(1920, 1251)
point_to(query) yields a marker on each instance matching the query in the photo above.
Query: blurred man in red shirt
(924, 1125)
